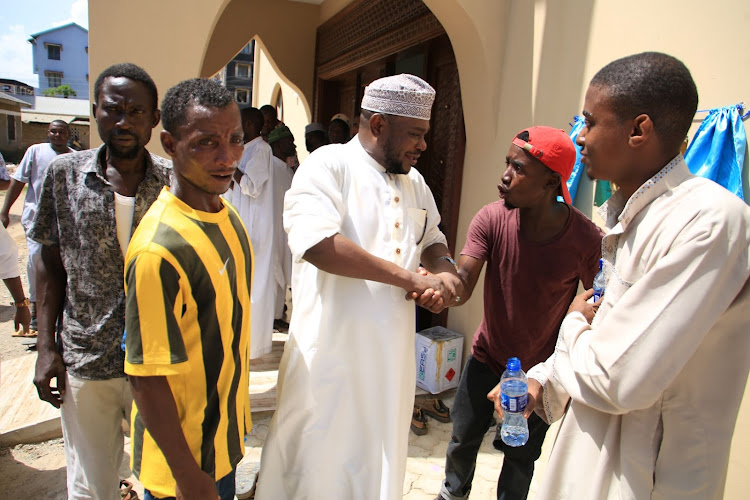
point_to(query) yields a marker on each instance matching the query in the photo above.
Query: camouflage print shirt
(77, 213)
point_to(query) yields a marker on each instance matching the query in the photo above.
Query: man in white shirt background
(31, 171)
(283, 148)
(252, 195)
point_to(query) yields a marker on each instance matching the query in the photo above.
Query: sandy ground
(28, 470)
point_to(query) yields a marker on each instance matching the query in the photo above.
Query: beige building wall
(520, 62)
(268, 84)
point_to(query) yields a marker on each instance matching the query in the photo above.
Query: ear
(377, 124)
(157, 118)
(642, 129)
(553, 182)
(168, 143)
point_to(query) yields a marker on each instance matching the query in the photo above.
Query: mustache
(122, 133)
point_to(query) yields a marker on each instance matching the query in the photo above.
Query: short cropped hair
(131, 72)
(267, 108)
(202, 91)
(254, 116)
(655, 84)
(59, 122)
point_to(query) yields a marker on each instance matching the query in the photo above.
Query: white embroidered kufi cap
(400, 95)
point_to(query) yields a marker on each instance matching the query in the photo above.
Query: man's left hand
(581, 304)
(535, 393)
(22, 317)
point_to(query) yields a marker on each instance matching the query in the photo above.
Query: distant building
(11, 133)
(17, 89)
(61, 55)
(237, 75)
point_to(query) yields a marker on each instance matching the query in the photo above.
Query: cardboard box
(439, 352)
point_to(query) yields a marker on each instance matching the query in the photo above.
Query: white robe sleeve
(257, 170)
(648, 335)
(314, 205)
(8, 255)
(432, 234)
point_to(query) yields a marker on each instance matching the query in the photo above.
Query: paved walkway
(426, 462)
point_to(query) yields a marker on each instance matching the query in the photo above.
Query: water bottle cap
(601, 264)
(514, 364)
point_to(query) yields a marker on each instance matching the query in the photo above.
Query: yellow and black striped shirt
(187, 283)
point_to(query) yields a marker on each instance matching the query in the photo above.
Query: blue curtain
(578, 169)
(717, 151)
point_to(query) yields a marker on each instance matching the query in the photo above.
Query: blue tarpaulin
(717, 151)
(575, 177)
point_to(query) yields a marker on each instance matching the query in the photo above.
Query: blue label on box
(422, 363)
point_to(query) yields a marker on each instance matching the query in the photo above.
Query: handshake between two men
(437, 291)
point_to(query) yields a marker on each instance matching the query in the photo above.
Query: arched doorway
(370, 39)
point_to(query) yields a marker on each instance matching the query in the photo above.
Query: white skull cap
(400, 95)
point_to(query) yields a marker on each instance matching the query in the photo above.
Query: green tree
(64, 90)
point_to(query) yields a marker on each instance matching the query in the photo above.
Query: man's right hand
(49, 365)
(429, 291)
(5, 218)
(199, 486)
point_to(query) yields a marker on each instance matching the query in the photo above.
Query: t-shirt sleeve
(314, 205)
(44, 226)
(478, 242)
(153, 303)
(23, 172)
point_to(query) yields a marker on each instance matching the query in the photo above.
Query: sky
(21, 19)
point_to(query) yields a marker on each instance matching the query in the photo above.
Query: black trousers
(472, 415)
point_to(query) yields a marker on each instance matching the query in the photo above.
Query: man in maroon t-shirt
(537, 250)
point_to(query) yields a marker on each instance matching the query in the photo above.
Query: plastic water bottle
(599, 282)
(514, 389)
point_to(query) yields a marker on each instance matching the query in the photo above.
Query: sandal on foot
(246, 479)
(434, 408)
(126, 491)
(25, 334)
(418, 422)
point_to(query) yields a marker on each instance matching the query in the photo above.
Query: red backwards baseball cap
(554, 148)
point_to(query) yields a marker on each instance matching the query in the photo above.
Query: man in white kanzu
(360, 219)
(251, 194)
(650, 389)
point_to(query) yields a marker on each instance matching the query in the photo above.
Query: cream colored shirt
(655, 382)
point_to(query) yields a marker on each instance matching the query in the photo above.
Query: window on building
(243, 70)
(242, 96)
(54, 79)
(53, 51)
(11, 127)
(247, 49)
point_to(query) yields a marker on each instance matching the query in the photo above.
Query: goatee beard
(124, 154)
(395, 168)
